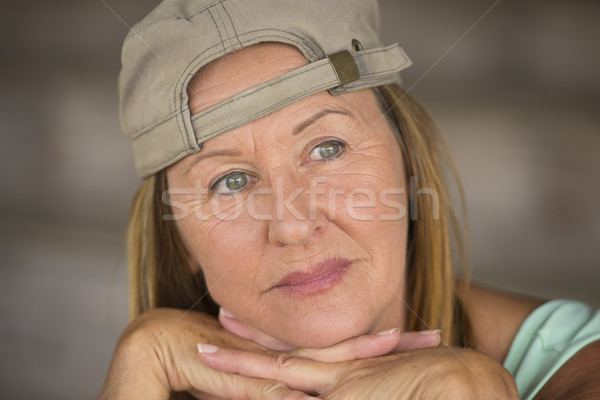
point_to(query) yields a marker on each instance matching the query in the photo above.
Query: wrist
(136, 370)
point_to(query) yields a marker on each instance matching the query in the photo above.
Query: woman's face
(296, 219)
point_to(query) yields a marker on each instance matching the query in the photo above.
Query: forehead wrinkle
(196, 87)
(253, 141)
(245, 137)
(244, 69)
(364, 103)
(319, 102)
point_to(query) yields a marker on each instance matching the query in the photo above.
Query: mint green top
(550, 336)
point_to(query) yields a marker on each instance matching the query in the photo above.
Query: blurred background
(517, 94)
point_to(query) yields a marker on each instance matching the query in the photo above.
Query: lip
(326, 274)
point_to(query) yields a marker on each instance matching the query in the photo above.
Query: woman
(291, 184)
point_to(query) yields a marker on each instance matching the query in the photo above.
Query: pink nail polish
(225, 313)
(207, 348)
(433, 332)
(388, 332)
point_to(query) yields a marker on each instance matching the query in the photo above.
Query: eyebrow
(316, 117)
(201, 156)
(297, 130)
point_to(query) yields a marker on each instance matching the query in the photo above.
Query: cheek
(374, 211)
(228, 252)
(371, 191)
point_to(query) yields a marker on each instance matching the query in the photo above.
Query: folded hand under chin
(169, 350)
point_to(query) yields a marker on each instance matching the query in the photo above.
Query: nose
(295, 216)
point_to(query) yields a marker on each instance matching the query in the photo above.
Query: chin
(322, 329)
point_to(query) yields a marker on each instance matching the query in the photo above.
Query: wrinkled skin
(319, 181)
(157, 355)
(244, 258)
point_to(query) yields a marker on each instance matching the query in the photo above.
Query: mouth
(325, 275)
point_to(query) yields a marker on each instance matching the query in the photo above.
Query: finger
(237, 387)
(418, 340)
(372, 346)
(364, 346)
(272, 390)
(296, 373)
(243, 330)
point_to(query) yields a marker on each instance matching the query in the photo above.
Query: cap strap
(345, 67)
(333, 72)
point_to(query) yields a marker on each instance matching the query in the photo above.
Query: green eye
(233, 182)
(327, 149)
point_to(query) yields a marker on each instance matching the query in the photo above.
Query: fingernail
(388, 332)
(433, 332)
(207, 348)
(225, 313)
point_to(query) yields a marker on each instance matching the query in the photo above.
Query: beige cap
(162, 53)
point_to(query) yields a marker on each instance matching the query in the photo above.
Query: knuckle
(294, 396)
(237, 389)
(272, 387)
(236, 356)
(283, 361)
(233, 387)
(274, 390)
(278, 390)
(299, 352)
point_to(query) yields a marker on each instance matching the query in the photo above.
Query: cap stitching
(171, 18)
(177, 113)
(218, 30)
(299, 41)
(183, 131)
(236, 98)
(350, 87)
(385, 71)
(180, 90)
(380, 50)
(224, 25)
(179, 119)
(267, 110)
(365, 83)
(231, 22)
(203, 10)
(195, 61)
(337, 91)
(156, 124)
(229, 37)
(150, 169)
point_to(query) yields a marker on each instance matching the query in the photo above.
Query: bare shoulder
(496, 317)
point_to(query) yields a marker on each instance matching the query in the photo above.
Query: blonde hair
(160, 274)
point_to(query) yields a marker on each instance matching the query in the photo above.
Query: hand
(360, 347)
(432, 373)
(156, 355)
